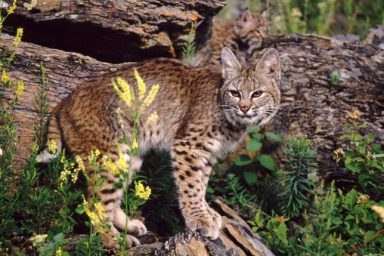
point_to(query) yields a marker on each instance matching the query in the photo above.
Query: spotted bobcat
(202, 114)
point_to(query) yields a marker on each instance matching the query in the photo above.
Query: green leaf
(369, 236)
(243, 160)
(352, 168)
(281, 233)
(250, 178)
(267, 162)
(257, 136)
(273, 137)
(253, 145)
(80, 209)
(254, 129)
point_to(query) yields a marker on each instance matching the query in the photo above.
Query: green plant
(298, 163)
(41, 107)
(54, 247)
(189, 47)
(91, 245)
(365, 159)
(335, 78)
(253, 147)
(325, 17)
(361, 225)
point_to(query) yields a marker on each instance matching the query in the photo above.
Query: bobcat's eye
(234, 93)
(256, 94)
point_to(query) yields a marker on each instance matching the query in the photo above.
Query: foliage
(254, 146)
(365, 159)
(254, 172)
(189, 47)
(335, 78)
(335, 224)
(324, 17)
(298, 163)
(41, 106)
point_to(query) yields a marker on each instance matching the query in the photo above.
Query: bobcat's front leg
(192, 168)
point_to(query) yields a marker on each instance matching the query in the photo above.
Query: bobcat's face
(250, 95)
(249, 25)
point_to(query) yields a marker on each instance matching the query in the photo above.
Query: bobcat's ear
(269, 64)
(245, 22)
(264, 14)
(230, 65)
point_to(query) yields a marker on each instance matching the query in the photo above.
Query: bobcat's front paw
(207, 224)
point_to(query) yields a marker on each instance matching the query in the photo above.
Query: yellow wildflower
(19, 88)
(52, 146)
(98, 217)
(93, 156)
(354, 114)
(63, 179)
(121, 163)
(281, 219)
(80, 163)
(38, 240)
(152, 118)
(124, 91)
(110, 166)
(119, 117)
(59, 252)
(295, 12)
(338, 154)
(118, 166)
(140, 84)
(100, 211)
(17, 39)
(141, 191)
(12, 8)
(362, 199)
(1, 152)
(5, 79)
(135, 145)
(151, 96)
(379, 210)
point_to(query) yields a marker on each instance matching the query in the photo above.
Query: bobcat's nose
(244, 108)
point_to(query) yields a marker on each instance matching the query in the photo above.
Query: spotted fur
(203, 113)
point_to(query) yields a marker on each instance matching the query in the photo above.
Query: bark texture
(321, 110)
(113, 31)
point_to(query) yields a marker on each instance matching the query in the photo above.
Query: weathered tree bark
(114, 31)
(314, 107)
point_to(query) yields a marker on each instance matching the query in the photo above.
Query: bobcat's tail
(54, 143)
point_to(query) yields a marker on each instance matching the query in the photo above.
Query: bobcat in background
(202, 114)
(243, 36)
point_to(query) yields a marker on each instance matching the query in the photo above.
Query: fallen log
(113, 31)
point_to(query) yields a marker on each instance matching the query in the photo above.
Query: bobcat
(243, 36)
(202, 113)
